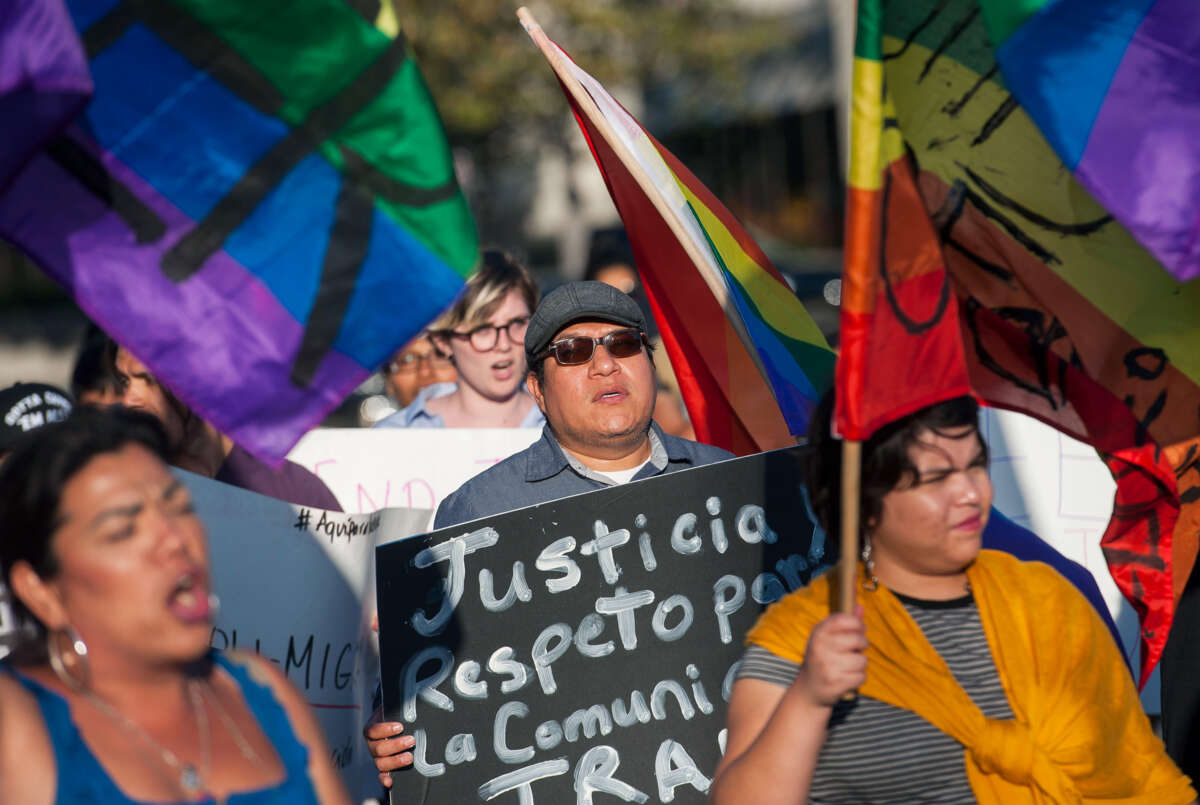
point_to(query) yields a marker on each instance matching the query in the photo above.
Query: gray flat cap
(579, 301)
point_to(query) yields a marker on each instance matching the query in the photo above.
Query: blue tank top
(83, 781)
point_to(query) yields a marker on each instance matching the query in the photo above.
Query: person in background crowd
(592, 374)
(93, 381)
(613, 266)
(979, 677)
(198, 447)
(482, 334)
(415, 366)
(669, 410)
(119, 698)
(24, 407)
(27, 406)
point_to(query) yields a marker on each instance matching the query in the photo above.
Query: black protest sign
(583, 650)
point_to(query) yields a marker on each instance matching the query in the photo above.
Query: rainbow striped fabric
(259, 202)
(737, 335)
(1063, 313)
(1115, 89)
(900, 345)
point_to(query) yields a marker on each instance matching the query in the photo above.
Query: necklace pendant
(189, 779)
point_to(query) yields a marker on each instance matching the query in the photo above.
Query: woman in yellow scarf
(980, 678)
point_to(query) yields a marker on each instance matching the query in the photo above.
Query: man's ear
(535, 390)
(39, 596)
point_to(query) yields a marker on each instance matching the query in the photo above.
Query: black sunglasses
(579, 349)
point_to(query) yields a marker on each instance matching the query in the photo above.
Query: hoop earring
(79, 680)
(870, 583)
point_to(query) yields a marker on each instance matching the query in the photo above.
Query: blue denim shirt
(418, 415)
(543, 472)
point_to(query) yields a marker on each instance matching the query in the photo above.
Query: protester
(612, 265)
(27, 406)
(979, 677)
(120, 697)
(592, 374)
(93, 381)
(482, 334)
(669, 411)
(24, 407)
(415, 366)
(196, 446)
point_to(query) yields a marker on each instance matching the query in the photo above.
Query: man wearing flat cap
(592, 374)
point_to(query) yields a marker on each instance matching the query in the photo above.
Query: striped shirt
(877, 753)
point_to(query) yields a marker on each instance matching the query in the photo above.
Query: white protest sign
(297, 585)
(378, 468)
(1059, 489)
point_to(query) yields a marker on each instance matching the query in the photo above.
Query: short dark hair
(34, 474)
(94, 370)
(885, 461)
(186, 415)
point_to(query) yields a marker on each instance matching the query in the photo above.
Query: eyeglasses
(486, 336)
(579, 349)
(410, 362)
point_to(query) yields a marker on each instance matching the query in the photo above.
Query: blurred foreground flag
(259, 203)
(44, 78)
(750, 360)
(1063, 314)
(1115, 89)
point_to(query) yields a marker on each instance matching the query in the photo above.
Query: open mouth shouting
(188, 599)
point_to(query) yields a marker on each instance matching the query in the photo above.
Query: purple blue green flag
(44, 78)
(1114, 87)
(259, 203)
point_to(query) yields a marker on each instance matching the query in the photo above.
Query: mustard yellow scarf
(1079, 733)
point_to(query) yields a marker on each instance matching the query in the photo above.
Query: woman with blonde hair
(483, 334)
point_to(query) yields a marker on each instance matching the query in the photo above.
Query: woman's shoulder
(784, 626)
(1009, 569)
(1034, 584)
(254, 667)
(26, 752)
(17, 702)
(268, 675)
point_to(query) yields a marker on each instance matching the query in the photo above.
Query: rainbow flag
(900, 345)
(1064, 315)
(750, 360)
(259, 203)
(1115, 89)
(44, 79)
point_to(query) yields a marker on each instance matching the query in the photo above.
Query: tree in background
(501, 103)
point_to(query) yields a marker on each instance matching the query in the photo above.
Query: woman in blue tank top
(114, 695)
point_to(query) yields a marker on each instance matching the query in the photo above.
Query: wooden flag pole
(716, 284)
(848, 564)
